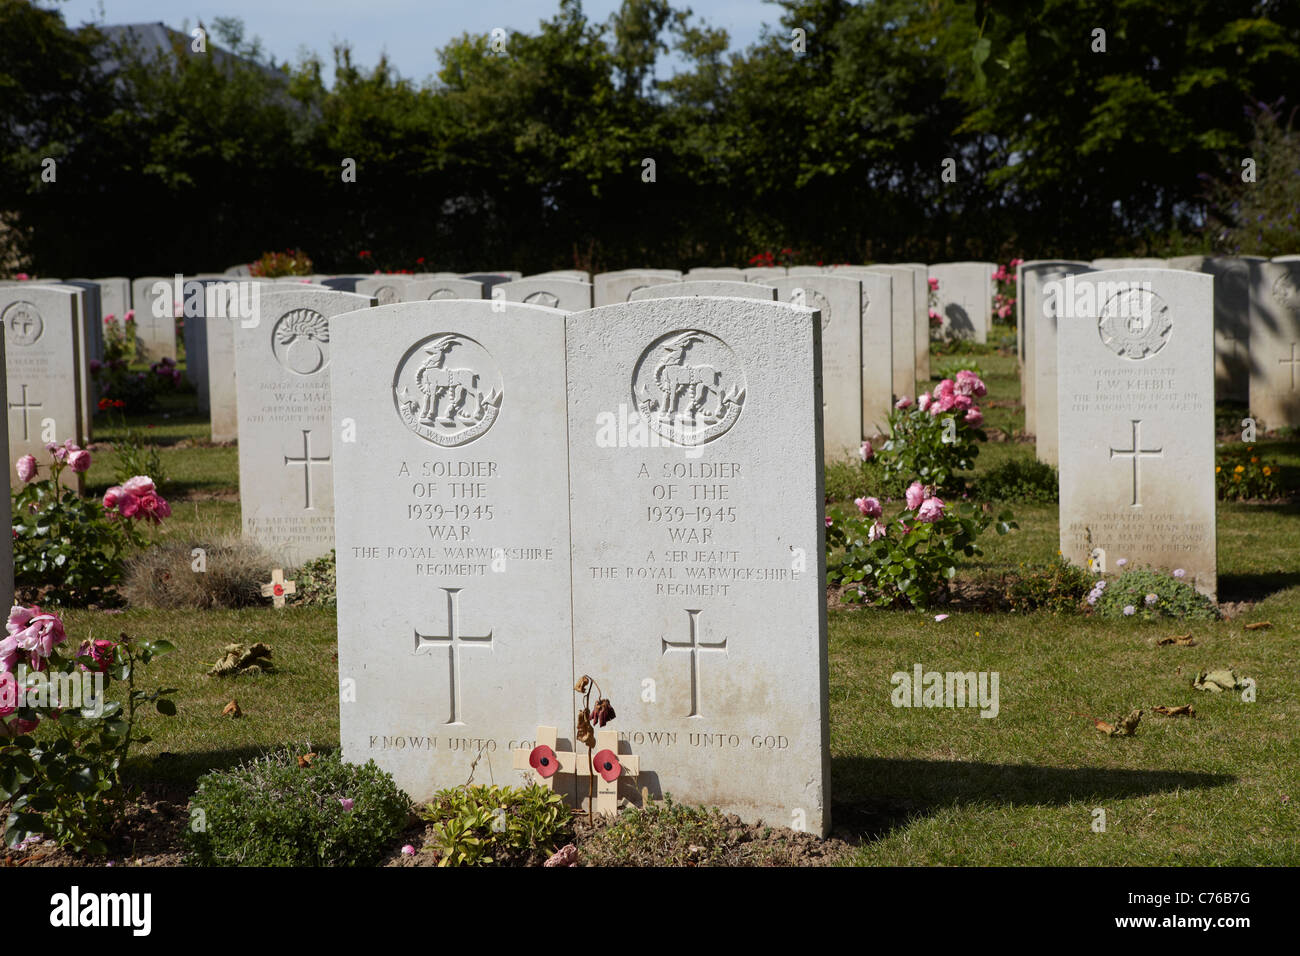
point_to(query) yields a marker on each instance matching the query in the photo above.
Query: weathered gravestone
(226, 303)
(286, 447)
(1189, 263)
(1275, 343)
(1038, 383)
(157, 306)
(97, 308)
(42, 331)
(965, 298)
(1136, 383)
(920, 302)
(91, 327)
(612, 287)
(455, 637)
(443, 287)
(575, 275)
(567, 295)
(386, 289)
(807, 271)
(711, 273)
(1232, 325)
(848, 339)
(1141, 262)
(1286, 258)
(7, 544)
(902, 336)
(706, 287)
(698, 556)
(764, 273)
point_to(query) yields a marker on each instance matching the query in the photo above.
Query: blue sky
(410, 31)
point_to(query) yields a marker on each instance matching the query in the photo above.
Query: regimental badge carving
(387, 295)
(1286, 292)
(442, 294)
(543, 298)
(1135, 323)
(23, 322)
(689, 387)
(301, 341)
(448, 389)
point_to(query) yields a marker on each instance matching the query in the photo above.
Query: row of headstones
(519, 495)
(1256, 317)
(477, 454)
(872, 359)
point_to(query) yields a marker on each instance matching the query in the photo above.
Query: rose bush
(909, 559)
(67, 786)
(934, 437)
(70, 546)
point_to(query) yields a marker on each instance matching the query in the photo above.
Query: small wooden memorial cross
(566, 761)
(278, 588)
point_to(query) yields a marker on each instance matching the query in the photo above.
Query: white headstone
(807, 270)
(567, 295)
(1136, 386)
(845, 332)
(7, 544)
(42, 330)
(1190, 263)
(1275, 343)
(1039, 379)
(386, 289)
(764, 273)
(902, 297)
(707, 287)
(612, 287)
(698, 562)
(965, 298)
(454, 610)
(157, 306)
(1232, 322)
(91, 328)
(447, 287)
(286, 445)
(1129, 263)
(709, 273)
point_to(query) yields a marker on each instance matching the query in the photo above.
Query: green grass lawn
(918, 786)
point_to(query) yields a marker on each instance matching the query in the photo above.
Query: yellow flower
(1217, 469)
(1239, 469)
(1254, 461)
(1236, 477)
(1267, 470)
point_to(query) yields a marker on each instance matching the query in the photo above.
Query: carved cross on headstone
(24, 406)
(1293, 361)
(694, 647)
(306, 461)
(577, 763)
(279, 588)
(453, 640)
(1136, 452)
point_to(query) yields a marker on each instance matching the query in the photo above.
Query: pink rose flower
(139, 485)
(26, 468)
(828, 521)
(962, 402)
(975, 417)
(130, 315)
(923, 402)
(935, 316)
(79, 460)
(16, 727)
(865, 452)
(876, 531)
(101, 651)
(346, 803)
(931, 510)
(36, 632)
(869, 507)
(914, 495)
(1016, 262)
(934, 285)
(112, 496)
(903, 402)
